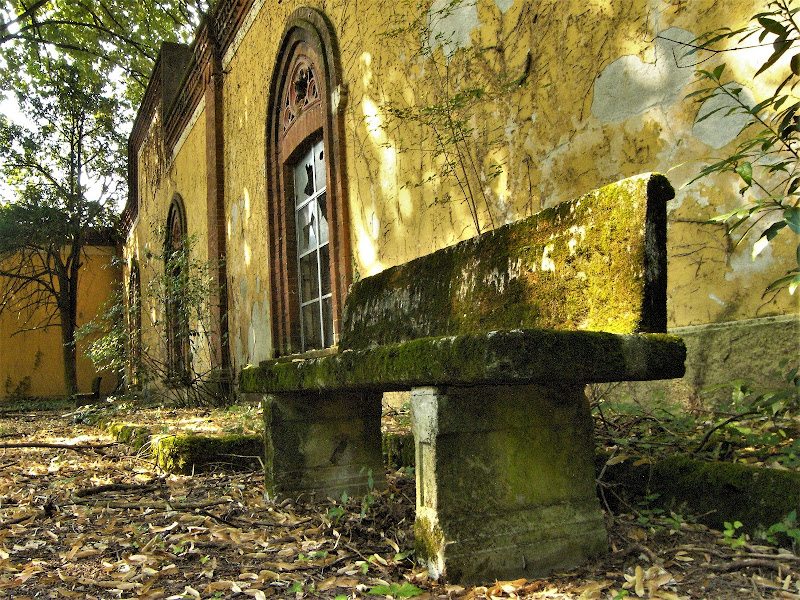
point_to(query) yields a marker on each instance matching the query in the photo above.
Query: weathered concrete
(505, 484)
(322, 446)
(720, 353)
(496, 337)
(597, 262)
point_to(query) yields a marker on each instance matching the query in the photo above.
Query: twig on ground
(737, 565)
(163, 505)
(727, 421)
(205, 513)
(77, 448)
(19, 520)
(116, 487)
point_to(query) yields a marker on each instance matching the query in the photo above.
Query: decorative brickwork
(306, 74)
(226, 18)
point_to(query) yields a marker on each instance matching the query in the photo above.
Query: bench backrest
(596, 263)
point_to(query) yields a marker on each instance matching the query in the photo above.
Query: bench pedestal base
(505, 481)
(323, 444)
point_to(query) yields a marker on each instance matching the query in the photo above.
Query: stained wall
(567, 96)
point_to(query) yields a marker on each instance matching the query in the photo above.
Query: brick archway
(304, 118)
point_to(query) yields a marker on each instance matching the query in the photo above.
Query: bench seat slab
(514, 357)
(323, 445)
(505, 481)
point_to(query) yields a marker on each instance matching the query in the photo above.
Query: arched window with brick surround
(310, 260)
(177, 318)
(134, 326)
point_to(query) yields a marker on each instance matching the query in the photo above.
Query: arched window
(177, 318)
(310, 256)
(134, 327)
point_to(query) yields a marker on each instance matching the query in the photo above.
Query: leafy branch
(767, 162)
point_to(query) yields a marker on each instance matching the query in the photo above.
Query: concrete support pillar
(323, 445)
(505, 481)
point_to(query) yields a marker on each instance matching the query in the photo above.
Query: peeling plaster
(451, 26)
(504, 5)
(746, 261)
(717, 300)
(629, 86)
(258, 342)
(721, 128)
(743, 264)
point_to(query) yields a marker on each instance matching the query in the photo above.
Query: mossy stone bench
(496, 338)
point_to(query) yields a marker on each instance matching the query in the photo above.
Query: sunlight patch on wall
(389, 167)
(367, 253)
(366, 62)
(373, 120)
(405, 203)
(246, 253)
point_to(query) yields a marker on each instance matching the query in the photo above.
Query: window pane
(322, 202)
(306, 228)
(327, 315)
(319, 165)
(309, 279)
(312, 328)
(304, 179)
(325, 269)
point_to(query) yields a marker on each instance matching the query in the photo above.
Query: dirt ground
(81, 517)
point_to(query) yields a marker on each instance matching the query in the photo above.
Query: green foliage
(108, 349)
(657, 519)
(730, 537)
(18, 391)
(766, 162)
(178, 287)
(756, 425)
(369, 498)
(62, 181)
(117, 36)
(789, 527)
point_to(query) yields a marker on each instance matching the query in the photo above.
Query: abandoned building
(300, 148)
(573, 97)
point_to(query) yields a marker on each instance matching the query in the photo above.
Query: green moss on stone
(428, 539)
(595, 263)
(715, 492)
(134, 436)
(502, 357)
(188, 453)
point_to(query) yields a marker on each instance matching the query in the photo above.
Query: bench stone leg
(505, 481)
(322, 444)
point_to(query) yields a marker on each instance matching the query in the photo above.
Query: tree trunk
(69, 354)
(68, 312)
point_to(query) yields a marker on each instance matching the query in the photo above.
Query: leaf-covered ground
(94, 521)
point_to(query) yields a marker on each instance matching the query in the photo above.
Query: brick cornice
(212, 40)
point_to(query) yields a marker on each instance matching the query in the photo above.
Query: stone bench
(496, 338)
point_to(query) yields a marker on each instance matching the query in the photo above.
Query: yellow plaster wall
(18, 353)
(599, 98)
(161, 177)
